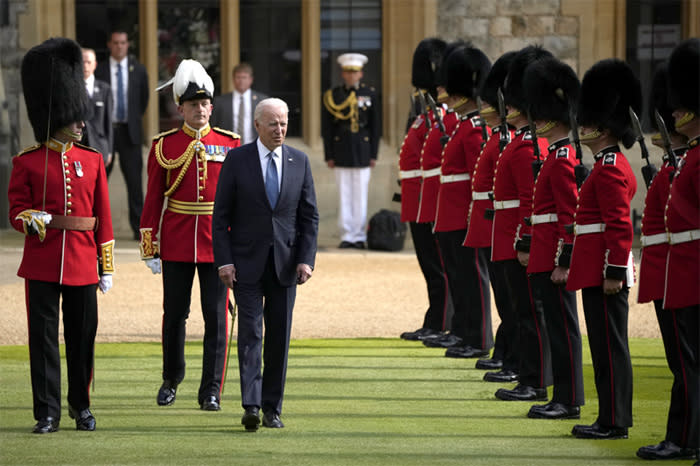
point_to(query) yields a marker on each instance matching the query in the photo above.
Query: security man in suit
(98, 127)
(183, 170)
(601, 261)
(351, 128)
(58, 197)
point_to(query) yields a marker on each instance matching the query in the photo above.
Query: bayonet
(412, 113)
(504, 138)
(666, 138)
(424, 109)
(438, 116)
(649, 170)
(537, 164)
(580, 171)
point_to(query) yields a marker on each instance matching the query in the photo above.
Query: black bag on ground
(385, 231)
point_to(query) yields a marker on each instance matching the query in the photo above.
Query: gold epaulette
(226, 132)
(29, 149)
(166, 133)
(83, 146)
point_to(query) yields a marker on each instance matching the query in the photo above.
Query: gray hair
(271, 102)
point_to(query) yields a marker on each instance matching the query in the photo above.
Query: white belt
(590, 228)
(481, 195)
(650, 240)
(404, 174)
(683, 236)
(431, 172)
(500, 205)
(543, 218)
(454, 178)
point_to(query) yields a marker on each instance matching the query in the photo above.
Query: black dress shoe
(553, 410)
(251, 418)
(445, 340)
(489, 364)
(272, 420)
(596, 431)
(210, 403)
(465, 352)
(346, 245)
(166, 393)
(84, 420)
(360, 245)
(522, 393)
(46, 425)
(504, 375)
(667, 451)
(418, 334)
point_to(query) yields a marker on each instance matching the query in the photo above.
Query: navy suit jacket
(245, 226)
(98, 128)
(222, 115)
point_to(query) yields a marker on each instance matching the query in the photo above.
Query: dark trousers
(79, 308)
(508, 333)
(680, 329)
(535, 367)
(264, 301)
(430, 262)
(559, 309)
(606, 322)
(177, 291)
(469, 290)
(131, 163)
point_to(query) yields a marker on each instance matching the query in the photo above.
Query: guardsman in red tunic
(426, 58)
(679, 318)
(183, 169)
(58, 197)
(512, 191)
(465, 69)
(601, 261)
(553, 204)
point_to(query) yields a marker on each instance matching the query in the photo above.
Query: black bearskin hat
(54, 89)
(555, 86)
(441, 75)
(658, 99)
(608, 89)
(494, 80)
(466, 69)
(684, 76)
(426, 60)
(513, 86)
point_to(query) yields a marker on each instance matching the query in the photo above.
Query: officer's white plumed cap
(191, 81)
(352, 61)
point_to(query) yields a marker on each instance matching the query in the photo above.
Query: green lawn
(354, 401)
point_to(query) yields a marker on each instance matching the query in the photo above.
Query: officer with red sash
(601, 261)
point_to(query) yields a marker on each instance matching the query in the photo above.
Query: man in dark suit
(129, 83)
(98, 128)
(234, 111)
(265, 228)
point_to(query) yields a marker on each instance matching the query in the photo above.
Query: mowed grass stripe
(348, 401)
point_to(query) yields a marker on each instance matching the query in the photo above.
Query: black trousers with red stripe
(507, 335)
(606, 322)
(680, 329)
(79, 308)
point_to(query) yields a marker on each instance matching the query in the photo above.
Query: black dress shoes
(251, 418)
(504, 375)
(346, 245)
(46, 425)
(521, 393)
(166, 393)
(210, 403)
(596, 431)
(272, 420)
(84, 420)
(360, 245)
(489, 364)
(418, 334)
(667, 451)
(444, 340)
(553, 410)
(465, 352)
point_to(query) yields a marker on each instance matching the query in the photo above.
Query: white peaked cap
(352, 61)
(191, 81)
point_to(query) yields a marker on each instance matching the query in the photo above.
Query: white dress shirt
(247, 134)
(90, 85)
(277, 158)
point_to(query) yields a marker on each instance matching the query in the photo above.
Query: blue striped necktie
(271, 180)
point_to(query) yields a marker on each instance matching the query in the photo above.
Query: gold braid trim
(183, 161)
(350, 104)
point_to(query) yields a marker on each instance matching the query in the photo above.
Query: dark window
(95, 20)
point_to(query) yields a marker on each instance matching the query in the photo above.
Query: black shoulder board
(609, 158)
(29, 149)
(226, 132)
(83, 146)
(527, 136)
(563, 153)
(166, 133)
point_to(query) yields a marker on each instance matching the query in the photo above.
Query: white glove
(153, 264)
(35, 222)
(105, 283)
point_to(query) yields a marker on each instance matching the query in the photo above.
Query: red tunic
(184, 232)
(683, 215)
(555, 194)
(76, 185)
(652, 268)
(409, 168)
(604, 199)
(458, 160)
(431, 158)
(512, 192)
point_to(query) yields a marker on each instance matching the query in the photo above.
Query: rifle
(666, 138)
(424, 109)
(649, 170)
(537, 164)
(412, 113)
(504, 138)
(580, 171)
(438, 116)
